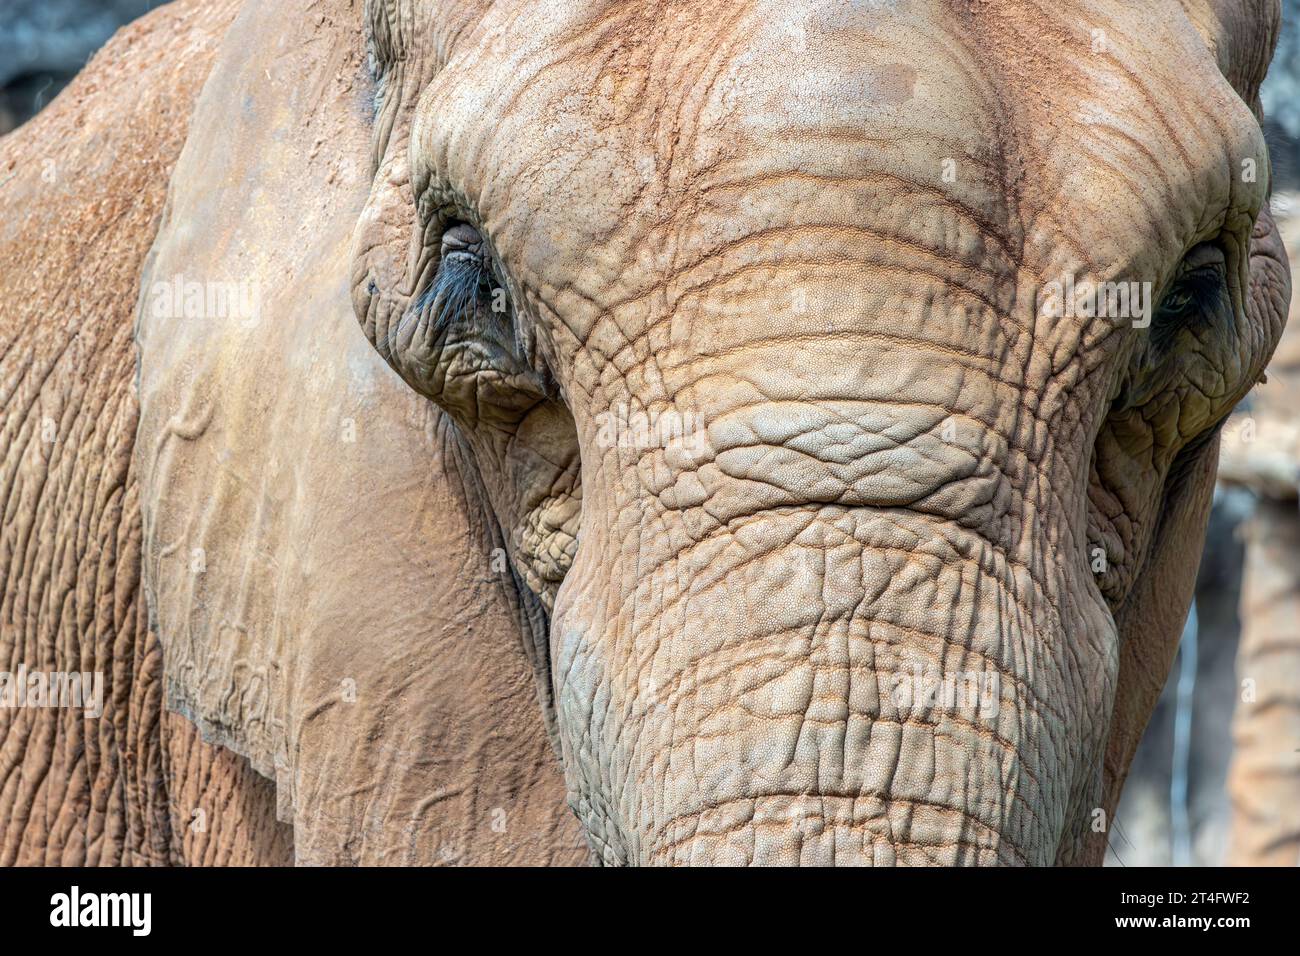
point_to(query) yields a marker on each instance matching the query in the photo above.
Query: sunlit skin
(825, 238)
(656, 439)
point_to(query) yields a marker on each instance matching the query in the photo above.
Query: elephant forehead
(571, 125)
(610, 147)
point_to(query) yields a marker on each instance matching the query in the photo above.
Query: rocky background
(1175, 809)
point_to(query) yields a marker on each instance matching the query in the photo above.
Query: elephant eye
(1197, 288)
(1197, 291)
(466, 286)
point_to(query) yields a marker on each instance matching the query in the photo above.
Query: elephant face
(845, 380)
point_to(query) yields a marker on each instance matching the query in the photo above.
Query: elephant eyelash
(1195, 295)
(464, 286)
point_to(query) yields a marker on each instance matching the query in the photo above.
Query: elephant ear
(318, 565)
(1242, 35)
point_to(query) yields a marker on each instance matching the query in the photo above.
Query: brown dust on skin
(84, 187)
(719, 641)
(712, 659)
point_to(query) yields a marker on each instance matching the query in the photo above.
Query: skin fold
(904, 461)
(420, 598)
(136, 786)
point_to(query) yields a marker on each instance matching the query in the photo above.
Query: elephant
(149, 782)
(123, 788)
(739, 433)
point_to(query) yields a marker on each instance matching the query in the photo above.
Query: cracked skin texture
(351, 634)
(721, 645)
(711, 635)
(83, 186)
(444, 758)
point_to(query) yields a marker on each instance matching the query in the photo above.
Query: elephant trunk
(807, 624)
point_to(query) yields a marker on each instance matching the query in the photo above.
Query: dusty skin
(367, 584)
(83, 189)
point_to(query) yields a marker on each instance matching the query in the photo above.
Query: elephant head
(833, 390)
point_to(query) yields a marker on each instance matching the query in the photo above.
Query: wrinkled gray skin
(820, 232)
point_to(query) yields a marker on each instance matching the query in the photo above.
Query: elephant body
(142, 784)
(341, 496)
(134, 785)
